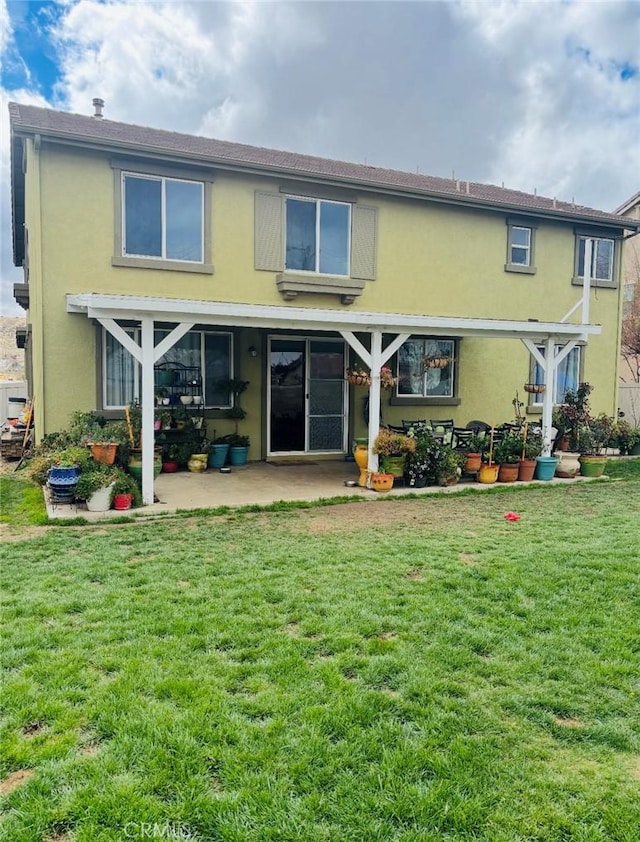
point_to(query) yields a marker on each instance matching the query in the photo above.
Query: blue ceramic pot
(546, 467)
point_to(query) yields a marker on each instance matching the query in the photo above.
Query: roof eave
(257, 168)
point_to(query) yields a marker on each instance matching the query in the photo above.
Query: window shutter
(269, 232)
(364, 223)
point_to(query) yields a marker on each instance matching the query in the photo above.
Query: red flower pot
(169, 467)
(121, 502)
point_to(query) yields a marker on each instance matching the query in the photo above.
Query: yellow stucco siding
(431, 259)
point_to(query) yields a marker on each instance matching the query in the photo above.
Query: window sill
(417, 400)
(290, 286)
(165, 265)
(521, 270)
(600, 284)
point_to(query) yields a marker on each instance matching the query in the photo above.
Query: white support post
(374, 399)
(147, 409)
(547, 397)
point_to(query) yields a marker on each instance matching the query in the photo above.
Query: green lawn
(391, 670)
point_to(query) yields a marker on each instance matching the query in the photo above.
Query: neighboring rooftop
(97, 131)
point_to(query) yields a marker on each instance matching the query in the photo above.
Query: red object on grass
(511, 516)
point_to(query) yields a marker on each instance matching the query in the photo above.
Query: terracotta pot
(445, 482)
(473, 463)
(104, 452)
(526, 470)
(508, 472)
(382, 482)
(568, 465)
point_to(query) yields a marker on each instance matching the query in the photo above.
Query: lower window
(426, 368)
(567, 375)
(208, 350)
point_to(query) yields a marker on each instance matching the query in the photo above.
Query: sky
(540, 95)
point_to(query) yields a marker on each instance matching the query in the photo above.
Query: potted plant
(531, 449)
(474, 450)
(448, 465)
(218, 452)
(103, 443)
(420, 468)
(64, 472)
(592, 438)
(133, 422)
(358, 375)
(393, 448)
(126, 492)
(95, 486)
(571, 415)
(176, 455)
(238, 448)
(507, 454)
(238, 444)
(488, 473)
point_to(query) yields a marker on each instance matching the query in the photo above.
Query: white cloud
(578, 120)
(526, 93)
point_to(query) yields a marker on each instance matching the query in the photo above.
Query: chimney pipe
(98, 104)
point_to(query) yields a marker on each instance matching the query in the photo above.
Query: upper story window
(163, 218)
(520, 247)
(426, 368)
(322, 242)
(601, 259)
(604, 259)
(318, 235)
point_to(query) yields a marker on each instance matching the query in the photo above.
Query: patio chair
(442, 429)
(478, 426)
(460, 438)
(408, 425)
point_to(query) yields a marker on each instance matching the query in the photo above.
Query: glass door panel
(326, 402)
(287, 417)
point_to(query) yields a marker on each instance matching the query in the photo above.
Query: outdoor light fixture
(253, 351)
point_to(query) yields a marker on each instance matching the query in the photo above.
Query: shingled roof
(91, 131)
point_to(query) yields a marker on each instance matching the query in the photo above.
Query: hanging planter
(534, 388)
(436, 361)
(358, 377)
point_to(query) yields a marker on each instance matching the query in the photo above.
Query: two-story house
(141, 246)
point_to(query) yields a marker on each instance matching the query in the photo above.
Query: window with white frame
(567, 375)
(601, 258)
(162, 218)
(426, 368)
(210, 351)
(318, 234)
(520, 246)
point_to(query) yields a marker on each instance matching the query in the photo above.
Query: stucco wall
(432, 259)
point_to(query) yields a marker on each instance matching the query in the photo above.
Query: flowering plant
(358, 375)
(388, 443)
(387, 380)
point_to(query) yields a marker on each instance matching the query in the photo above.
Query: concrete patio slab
(262, 483)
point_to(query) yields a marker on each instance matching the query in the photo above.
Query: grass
(409, 670)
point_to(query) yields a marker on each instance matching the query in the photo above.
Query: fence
(629, 402)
